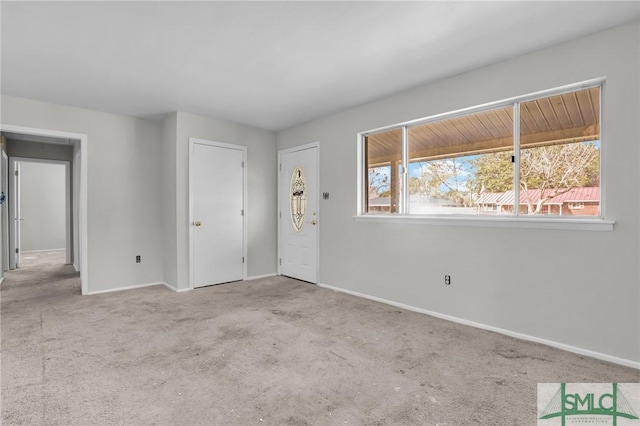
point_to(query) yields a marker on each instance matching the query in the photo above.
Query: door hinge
(280, 215)
(243, 164)
(243, 260)
(280, 261)
(17, 250)
(242, 212)
(16, 173)
(513, 158)
(280, 166)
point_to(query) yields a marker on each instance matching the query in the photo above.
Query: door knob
(313, 222)
(197, 223)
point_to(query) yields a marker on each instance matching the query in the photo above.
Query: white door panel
(217, 214)
(298, 187)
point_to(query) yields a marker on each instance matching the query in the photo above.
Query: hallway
(42, 259)
(38, 268)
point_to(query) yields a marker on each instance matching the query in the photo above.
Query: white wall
(169, 224)
(124, 188)
(42, 206)
(138, 189)
(576, 287)
(580, 288)
(261, 197)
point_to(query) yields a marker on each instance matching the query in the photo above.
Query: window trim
(515, 220)
(544, 222)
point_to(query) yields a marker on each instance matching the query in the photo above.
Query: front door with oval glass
(298, 239)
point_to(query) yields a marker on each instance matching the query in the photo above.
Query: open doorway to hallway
(44, 215)
(42, 212)
(39, 196)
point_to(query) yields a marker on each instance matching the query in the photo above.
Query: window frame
(598, 223)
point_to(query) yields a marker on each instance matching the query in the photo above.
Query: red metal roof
(582, 194)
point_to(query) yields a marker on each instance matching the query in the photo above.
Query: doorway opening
(40, 212)
(44, 179)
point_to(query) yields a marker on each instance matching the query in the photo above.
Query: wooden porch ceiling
(571, 117)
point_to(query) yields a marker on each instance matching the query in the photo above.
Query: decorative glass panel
(298, 199)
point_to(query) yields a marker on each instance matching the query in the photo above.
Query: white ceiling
(268, 64)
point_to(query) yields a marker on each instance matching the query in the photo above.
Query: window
(384, 172)
(537, 155)
(448, 158)
(560, 153)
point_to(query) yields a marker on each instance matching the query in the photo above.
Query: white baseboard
(172, 288)
(257, 277)
(568, 348)
(131, 287)
(42, 251)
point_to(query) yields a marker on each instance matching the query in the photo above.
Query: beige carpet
(267, 352)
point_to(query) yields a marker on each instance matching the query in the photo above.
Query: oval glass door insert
(298, 199)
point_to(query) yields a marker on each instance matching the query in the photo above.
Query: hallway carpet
(273, 351)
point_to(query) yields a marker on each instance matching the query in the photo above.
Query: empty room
(319, 213)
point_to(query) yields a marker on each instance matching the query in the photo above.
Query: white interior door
(298, 216)
(15, 219)
(217, 213)
(77, 252)
(5, 211)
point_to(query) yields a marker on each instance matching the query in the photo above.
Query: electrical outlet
(447, 279)
(138, 259)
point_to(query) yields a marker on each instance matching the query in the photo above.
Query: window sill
(586, 224)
